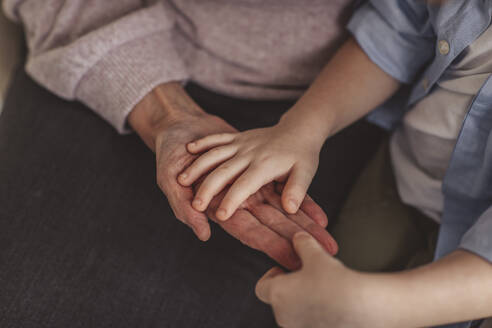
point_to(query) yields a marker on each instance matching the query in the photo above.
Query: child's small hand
(251, 159)
(323, 293)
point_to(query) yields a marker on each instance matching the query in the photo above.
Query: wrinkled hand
(166, 120)
(324, 293)
(261, 224)
(172, 157)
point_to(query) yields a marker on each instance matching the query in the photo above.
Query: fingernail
(221, 214)
(301, 234)
(192, 144)
(183, 176)
(293, 205)
(197, 202)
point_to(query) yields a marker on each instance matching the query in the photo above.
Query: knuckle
(238, 189)
(181, 161)
(270, 221)
(215, 151)
(203, 194)
(270, 164)
(224, 135)
(205, 188)
(230, 202)
(224, 168)
(193, 220)
(267, 158)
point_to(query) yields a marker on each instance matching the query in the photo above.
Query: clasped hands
(259, 222)
(322, 291)
(167, 120)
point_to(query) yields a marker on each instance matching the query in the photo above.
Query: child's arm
(325, 293)
(454, 289)
(348, 88)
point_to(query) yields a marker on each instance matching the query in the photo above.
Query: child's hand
(323, 293)
(253, 159)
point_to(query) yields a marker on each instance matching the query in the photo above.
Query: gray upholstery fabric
(88, 240)
(10, 43)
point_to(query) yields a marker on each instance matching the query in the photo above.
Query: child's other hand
(323, 293)
(251, 159)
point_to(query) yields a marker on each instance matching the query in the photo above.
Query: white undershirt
(421, 147)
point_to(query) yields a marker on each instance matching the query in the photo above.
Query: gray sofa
(10, 45)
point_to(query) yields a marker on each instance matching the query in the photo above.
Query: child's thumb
(295, 189)
(307, 248)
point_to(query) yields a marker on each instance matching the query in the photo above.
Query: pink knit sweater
(109, 53)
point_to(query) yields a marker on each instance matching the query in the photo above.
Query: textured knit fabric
(87, 239)
(422, 146)
(109, 54)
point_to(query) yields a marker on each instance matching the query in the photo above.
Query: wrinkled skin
(260, 222)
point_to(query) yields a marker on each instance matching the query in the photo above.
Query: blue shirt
(415, 42)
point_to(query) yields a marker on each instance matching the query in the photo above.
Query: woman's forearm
(454, 289)
(349, 87)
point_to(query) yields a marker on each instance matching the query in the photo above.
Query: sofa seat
(10, 52)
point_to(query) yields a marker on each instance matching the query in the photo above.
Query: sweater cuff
(126, 74)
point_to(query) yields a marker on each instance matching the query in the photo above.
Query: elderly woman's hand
(167, 119)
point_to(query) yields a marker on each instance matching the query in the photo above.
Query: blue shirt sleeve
(396, 35)
(478, 239)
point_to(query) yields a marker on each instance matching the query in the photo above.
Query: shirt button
(444, 47)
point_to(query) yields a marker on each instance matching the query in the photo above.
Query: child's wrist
(368, 299)
(385, 295)
(314, 130)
